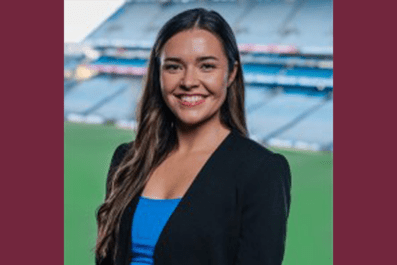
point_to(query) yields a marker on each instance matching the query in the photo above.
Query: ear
(233, 74)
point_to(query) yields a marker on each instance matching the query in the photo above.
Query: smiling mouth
(191, 101)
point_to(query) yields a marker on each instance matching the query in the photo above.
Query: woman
(192, 188)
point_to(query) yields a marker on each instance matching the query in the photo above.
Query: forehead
(193, 43)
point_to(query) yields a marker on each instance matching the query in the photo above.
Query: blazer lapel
(184, 207)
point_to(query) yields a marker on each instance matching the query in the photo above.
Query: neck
(200, 138)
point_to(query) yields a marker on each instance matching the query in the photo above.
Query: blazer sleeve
(265, 210)
(117, 157)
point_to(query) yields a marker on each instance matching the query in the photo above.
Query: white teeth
(191, 98)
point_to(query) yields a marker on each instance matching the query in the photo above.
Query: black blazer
(235, 211)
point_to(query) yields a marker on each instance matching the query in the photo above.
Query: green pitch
(87, 154)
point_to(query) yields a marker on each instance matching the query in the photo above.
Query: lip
(188, 104)
(190, 95)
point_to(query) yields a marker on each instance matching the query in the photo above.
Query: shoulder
(120, 152)
(250, 151)
(259, 163)
(117, 157)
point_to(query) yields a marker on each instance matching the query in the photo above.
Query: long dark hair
(156, 133)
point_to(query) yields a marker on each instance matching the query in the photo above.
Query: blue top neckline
(153, 199)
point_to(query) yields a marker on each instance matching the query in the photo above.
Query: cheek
(166, 91)
(165, 88)
(167, 82)
(217, 83)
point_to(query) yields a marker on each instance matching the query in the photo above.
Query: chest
(207, 219)
(207, 216)
(173, 177)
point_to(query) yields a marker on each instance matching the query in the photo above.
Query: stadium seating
(315, 128)
(262, 69)
(256, 96)
(261, 22)
(71, 62)
(278, 112)
(122, 107)
(312, 24)
(287, 96)
(93, 93)
(120, 61)
(309, 72)
(302, 23)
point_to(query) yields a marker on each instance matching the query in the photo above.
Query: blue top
(149, 220)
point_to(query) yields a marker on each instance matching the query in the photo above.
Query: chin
(190, 122)
(193, 121)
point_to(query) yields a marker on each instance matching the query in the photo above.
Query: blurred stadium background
(287, 53)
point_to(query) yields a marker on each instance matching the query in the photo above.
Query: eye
(207, 66)
(171, 67)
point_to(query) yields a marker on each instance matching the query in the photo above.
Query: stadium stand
(316, 128)
(68, 85)
(128, 98)
(311, 25)
(93, 94)
(278, 112)
(71, 62)
(260, 23)
(257, 96)
(309, 72)
(262, 69)
(286, 50)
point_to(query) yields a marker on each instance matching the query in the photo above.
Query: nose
(189, 79)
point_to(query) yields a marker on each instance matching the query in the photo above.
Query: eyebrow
(200, 59)
(204, 58)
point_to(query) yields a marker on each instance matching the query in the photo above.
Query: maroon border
(32, 132)
(364, 201)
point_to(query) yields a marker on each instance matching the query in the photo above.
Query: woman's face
(194, 76)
